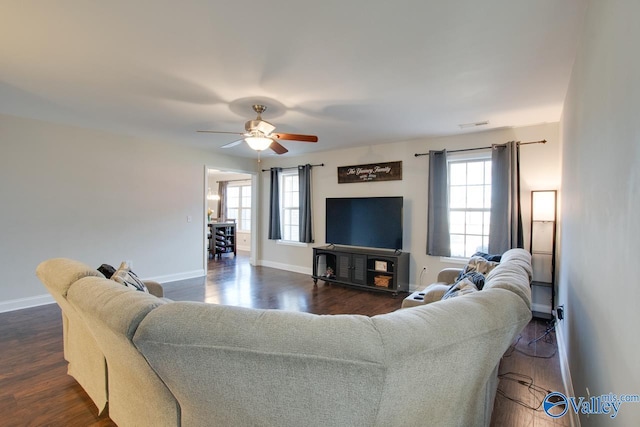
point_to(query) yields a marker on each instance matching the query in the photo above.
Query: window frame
(288, 211)
(243, 186)
(466, 158)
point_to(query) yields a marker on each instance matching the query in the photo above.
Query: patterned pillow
(475, 277)
(126, 277)
(480, 265)
(461, 287)
(471, 279)
(489, 257)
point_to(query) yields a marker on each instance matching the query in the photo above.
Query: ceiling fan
(259, 134)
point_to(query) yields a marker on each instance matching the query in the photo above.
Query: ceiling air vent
(472, 125)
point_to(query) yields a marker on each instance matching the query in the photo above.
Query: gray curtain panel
(222, 202)
(304, 187)
(275, 233)
(438, 239)
(506, 216)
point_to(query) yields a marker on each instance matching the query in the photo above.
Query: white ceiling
(353, 72)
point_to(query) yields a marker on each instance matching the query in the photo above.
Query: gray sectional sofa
(196, 364)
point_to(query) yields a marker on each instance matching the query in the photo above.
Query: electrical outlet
(560, 312)
(189, 218)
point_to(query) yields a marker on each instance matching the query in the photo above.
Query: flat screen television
(374, 222)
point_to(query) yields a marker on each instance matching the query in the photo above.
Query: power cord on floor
(547, 339)
(538, 393)
(546, 336)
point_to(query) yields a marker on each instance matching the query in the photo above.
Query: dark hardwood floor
(36, 391)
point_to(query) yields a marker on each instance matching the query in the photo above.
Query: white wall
(540, 169)
(599, 284)
(99, 198)
(243, 241)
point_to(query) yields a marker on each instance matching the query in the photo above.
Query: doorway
(230, 196)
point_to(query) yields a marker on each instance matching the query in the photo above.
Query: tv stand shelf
(370, 269)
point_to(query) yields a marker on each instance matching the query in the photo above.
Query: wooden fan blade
(295, 137)
(218, 131)
(233, 143)
(278, 148)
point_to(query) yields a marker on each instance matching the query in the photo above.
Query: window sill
(292, 243)
(454, 260)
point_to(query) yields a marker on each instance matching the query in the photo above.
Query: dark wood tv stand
(370, 269)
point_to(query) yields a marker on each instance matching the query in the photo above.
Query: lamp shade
(543, 205)
(258, 143)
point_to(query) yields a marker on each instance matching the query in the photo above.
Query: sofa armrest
(431, 293)
(154, 288)
(449, 275)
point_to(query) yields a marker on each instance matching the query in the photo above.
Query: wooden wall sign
(390, 171)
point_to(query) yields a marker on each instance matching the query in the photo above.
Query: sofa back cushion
(238, 366)
(441, 357)
(58, 274)
(514, 274)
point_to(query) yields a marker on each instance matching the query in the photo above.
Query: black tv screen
(374, 222)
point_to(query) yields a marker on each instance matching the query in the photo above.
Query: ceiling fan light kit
(258, 143)
(259, 134)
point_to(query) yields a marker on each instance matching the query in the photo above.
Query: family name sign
(390, 171)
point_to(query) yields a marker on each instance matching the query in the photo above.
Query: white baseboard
(287, 267)
(566, 373)
(177, 276)
(20, 303)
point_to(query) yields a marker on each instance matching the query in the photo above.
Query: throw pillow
(475, 278)
(106, 270)
(461, 287)
(489, 257)
(126, 277)
(480, 265)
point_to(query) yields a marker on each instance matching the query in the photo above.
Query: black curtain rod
(544, 141)
(293, 167)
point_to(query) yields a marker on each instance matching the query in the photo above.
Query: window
(469, 205)
(239, 204)
(289, 205)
